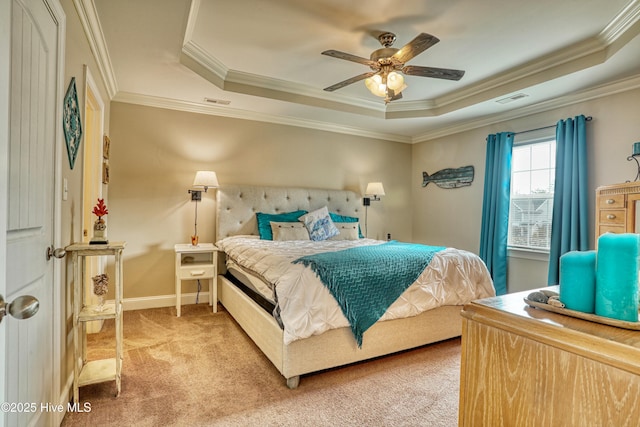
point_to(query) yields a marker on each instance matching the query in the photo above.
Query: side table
(195, 263)
(95, 371)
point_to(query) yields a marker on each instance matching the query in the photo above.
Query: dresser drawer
(612, 201)
(618, 229)
(612, 216)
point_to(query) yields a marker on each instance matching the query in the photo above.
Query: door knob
(57, 252)
(21, 308)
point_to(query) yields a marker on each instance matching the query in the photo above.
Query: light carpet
(202, 370)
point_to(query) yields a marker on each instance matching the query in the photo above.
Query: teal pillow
(264, 221)
(343, 218)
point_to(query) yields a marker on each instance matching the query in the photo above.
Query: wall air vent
(512, 98)
(217, 101)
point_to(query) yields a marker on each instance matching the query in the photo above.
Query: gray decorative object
(450, 178)
(71, 122)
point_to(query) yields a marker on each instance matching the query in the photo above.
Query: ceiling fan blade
(422, 42)
(349, 81)
(438, 73)
(349, 57)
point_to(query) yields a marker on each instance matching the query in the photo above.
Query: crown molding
(214, 110)
(198, 60)
(622, 23)
(596, 92)
(583, 54)
(93, 30)
(597, 49)
(619, 86)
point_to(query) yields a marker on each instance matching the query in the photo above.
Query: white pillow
(348, 231)
(319, 224)
(289, 231)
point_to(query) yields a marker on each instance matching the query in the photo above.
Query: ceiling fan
(385, 80)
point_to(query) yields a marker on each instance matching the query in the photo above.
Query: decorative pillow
(348, 231)
(319, 224)
(344, 218)
(289, 231)
(264, 221)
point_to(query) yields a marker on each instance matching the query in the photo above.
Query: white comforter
(307, 308)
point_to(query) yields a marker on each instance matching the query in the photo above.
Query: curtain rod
(589, 118)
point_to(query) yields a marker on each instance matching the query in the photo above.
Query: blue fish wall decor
(450, 178)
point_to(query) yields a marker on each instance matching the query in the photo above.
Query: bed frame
(236, 209)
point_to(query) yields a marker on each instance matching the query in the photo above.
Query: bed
(334, 345)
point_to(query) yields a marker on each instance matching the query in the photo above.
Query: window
(531, 206)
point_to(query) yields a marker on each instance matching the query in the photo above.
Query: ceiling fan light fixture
(376, 86)
(379, 86)
(385, 81)
(395, 81)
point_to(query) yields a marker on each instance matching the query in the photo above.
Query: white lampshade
(395, 81)
(374, 189)
(205, 179)
(376, 85)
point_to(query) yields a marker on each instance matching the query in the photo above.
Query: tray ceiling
(263, 57)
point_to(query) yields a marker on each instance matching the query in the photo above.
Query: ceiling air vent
(512, 98)
(217, 101)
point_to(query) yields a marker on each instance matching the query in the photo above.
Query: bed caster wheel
(293, 382)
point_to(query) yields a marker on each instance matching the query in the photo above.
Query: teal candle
(578, 280)
(617, 276)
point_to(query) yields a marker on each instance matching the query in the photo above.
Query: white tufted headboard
(237, 205)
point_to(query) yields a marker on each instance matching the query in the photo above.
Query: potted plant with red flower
(99, 227)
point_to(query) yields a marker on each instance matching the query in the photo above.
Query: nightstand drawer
(195, 272)
(612, 216)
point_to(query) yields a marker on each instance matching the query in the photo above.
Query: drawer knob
(611, 216)
(197, 272)
(610, 201)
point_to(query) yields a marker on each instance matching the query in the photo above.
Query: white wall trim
(621, 23)
(598, 48)
(578, 56)
(528, 254)
(59, 312)
(193, 107)
(618, 86)
(95, 37)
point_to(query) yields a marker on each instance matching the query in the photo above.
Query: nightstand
(197, 263)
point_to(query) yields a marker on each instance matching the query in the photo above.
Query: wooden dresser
(523, 366)
(616, 208)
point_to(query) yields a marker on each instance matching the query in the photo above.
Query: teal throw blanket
(366, 280)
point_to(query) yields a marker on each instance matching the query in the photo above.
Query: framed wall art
(71, 122)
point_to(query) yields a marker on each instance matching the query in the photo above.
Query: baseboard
(64, 399)
(158, 301)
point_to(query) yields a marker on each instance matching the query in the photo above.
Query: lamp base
(194, 240)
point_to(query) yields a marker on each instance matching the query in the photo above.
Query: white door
(28, 344)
